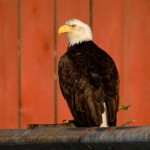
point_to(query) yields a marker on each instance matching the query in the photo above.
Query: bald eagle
(88, 78)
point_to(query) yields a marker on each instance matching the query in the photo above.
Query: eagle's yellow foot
(65, 121)
(69, 123)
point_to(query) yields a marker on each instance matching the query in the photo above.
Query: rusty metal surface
(125, 138)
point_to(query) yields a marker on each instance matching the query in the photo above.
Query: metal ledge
(119, 138)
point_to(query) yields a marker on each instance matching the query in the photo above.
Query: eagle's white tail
(104, 117)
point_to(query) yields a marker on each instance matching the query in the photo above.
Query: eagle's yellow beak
(64, 29)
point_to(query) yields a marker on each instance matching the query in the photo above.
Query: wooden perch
(64, 138)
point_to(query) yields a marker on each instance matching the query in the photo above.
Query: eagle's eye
(73, 25)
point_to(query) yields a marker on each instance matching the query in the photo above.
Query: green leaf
(124, 107)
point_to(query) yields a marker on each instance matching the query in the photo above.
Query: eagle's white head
(76, 31)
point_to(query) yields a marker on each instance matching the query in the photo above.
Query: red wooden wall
(30, 49)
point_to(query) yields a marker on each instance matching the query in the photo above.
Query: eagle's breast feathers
(88, 79)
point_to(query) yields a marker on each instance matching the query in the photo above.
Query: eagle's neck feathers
(77, 40)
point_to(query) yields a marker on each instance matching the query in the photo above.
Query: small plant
(123, 125)
(125, 108)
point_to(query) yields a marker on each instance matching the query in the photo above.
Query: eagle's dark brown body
(88, 77)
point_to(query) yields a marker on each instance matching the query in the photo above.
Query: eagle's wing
(87, 85)
(111, 88)
(82, 97)
(107, 71)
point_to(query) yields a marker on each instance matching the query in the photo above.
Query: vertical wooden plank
(139, 61)
(8, 64)
(37, 61)
(109, 27)
(66, 10)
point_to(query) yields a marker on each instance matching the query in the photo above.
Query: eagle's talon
(65, 121)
